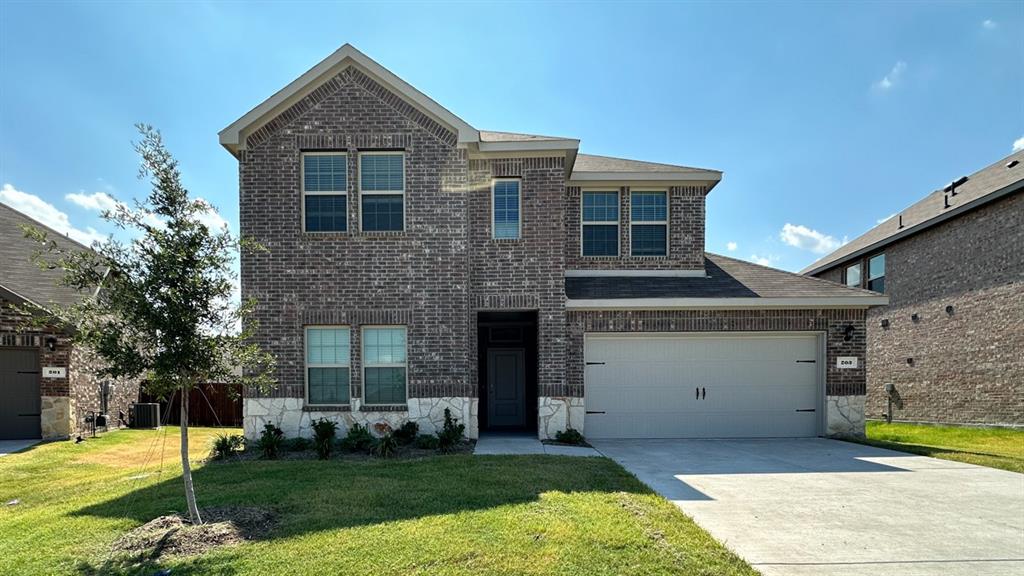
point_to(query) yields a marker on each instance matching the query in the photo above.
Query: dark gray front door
(506, 387)
(19, 394)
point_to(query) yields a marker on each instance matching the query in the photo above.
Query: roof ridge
(46, 226)
(796, 274)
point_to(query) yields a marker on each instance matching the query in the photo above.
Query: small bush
(569, 436)
(270, 442)
(323, 437)
(225, 445)
(386, 446)
(299, 444)
(451, 433)
(358, 439)
(407, 432)
(425, 442)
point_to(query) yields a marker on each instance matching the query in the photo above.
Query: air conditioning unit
(146, 415)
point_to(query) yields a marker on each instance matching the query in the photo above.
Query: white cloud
(36, 208)
(97, 201)
(805, 238)
(732, 246)
(989, 24)
(211, 219)
(894, 76)
(766, 260)
(889, 217)
(1018, 144)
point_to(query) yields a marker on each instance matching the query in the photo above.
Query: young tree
(165, 312)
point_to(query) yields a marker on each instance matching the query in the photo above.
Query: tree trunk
(186, 470)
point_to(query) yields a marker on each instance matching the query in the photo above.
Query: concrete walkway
(516, 444)
(825, 507)
(12, 446)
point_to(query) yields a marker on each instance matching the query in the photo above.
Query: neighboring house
(47, 385)
(415, 263)
(951, 341)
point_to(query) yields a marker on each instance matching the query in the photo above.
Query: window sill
(326, 408)
(384, 408)
(505, 240)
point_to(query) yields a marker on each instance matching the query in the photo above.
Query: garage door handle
(595, 411)
(703, 393)
(806, 410)
(36, 414)
(806, 361)
(24, 372)
(697, 390)
(595, 363)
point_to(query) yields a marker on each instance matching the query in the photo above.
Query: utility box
(146, 415)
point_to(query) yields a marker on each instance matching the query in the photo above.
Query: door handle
(703, 393)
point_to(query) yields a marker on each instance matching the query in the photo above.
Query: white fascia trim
(529, 145)
(581, 177)
(636, 273)
(231, 139)
(725, 303)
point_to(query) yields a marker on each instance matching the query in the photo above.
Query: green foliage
(451, 433)
(570, 436)
(407, 432)
(426, 442)
(358, 439)
(270, 442)
(386, 446)
(323, 437)
(298, 444)
(225, 445)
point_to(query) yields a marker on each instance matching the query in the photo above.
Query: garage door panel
(752, 386)
(19, 394)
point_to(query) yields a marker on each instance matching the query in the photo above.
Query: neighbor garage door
(19, 394)
(701, 385)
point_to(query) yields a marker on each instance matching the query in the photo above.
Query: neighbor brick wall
(968, 367)
(846, 382)
(85, 389)
(685, 232)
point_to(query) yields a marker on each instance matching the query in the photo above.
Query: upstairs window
(382, 191)
(327, 365)
(853, 276)
(876, 273)
(600, 234)
(324, 192)
(648, 223)
(384, 365)
(505, 210)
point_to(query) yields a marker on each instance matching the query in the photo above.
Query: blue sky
(825, 117)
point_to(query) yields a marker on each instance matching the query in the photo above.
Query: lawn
(438, 515)
(992, 447)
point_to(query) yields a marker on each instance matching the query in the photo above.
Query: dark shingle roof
(726, 278)
(979, 186)
(19, 275)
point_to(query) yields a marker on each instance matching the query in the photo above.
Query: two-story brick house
(951, 341)
(416, 263)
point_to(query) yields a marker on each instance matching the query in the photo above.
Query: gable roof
(592, 168)
(20, 278)
(233, 137)
(988, 184)
(730, 283)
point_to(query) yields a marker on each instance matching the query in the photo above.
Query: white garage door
(701, 385)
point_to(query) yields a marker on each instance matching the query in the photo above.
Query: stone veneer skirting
(294, 421)
(56, 417)
(556, 414)
(844, 416)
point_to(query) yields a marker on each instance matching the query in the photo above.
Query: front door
(19, 394)
(506, 387)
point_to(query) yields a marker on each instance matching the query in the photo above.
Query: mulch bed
(174, 535)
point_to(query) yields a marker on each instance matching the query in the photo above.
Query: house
(950, 344)
(415, 263)
(48, 387)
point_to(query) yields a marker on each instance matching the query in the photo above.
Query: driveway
(12, 446)
(823, 507)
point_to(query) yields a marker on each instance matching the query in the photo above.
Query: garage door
(19, 394)
(701, 386)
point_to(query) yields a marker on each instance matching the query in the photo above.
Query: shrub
(425, 442)
(270, 442)
(569, 436)
(407, 432)
(386, 446)
(323, 437)
(299, 444)
(225, 445)
(451, 433)
(358, 439)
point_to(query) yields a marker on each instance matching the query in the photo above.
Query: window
(324, 192)
(382, 190)
(648, 223)
(384, 365)
(876, 273)
(600, 224)
(327, 365)
(853, 275)
(505, 209)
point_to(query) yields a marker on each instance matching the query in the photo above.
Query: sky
(824, 117)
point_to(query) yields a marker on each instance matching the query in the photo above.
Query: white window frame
(405, 184)
(519, 223)
(362, 359)
(618, 222)
(665, 222)
(303, 193)
(306, 365)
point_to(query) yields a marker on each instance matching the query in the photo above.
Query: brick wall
(14, 333)
(85, 389)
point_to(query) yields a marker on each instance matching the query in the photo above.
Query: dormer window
(382, 191)
(648, 230)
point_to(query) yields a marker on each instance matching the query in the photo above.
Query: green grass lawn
(438, 515)
(993, 447)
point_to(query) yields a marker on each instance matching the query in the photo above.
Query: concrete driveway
(823, 507)
(12, 446)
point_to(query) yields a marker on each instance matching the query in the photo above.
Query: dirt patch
(175, 536)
